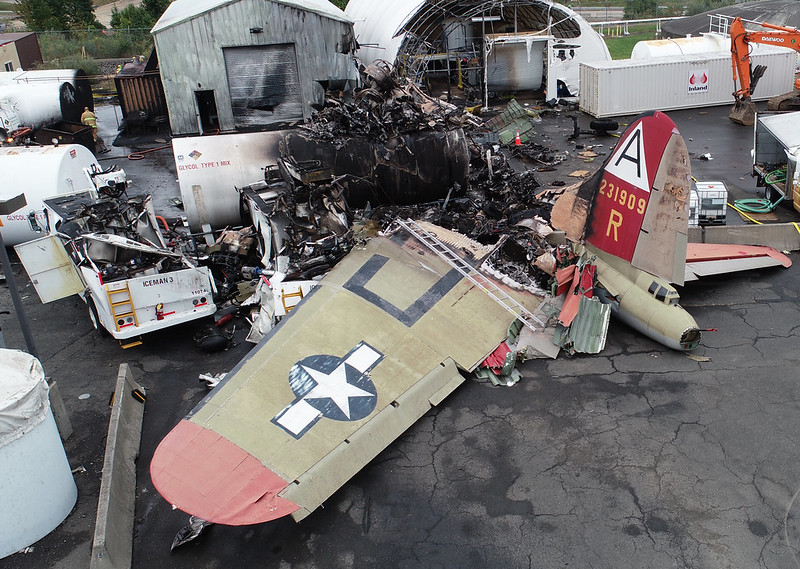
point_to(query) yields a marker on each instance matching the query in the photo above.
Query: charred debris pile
(390, 152)
(393, 152)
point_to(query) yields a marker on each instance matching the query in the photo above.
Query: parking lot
(637, 457)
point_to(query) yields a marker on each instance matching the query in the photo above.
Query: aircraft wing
(367, 353)
(706, 259)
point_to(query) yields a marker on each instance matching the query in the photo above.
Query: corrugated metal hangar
(238, 65)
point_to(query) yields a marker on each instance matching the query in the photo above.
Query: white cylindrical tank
(77, 79)
(515, 66)
(35, 105)
(706, 43)
(40, 172)
(37, 490)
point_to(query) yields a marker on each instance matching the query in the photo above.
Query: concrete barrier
(112, 547)
(781, 236)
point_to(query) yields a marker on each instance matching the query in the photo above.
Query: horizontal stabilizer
(706, 259)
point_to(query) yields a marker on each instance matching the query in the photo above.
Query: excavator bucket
(743, 112)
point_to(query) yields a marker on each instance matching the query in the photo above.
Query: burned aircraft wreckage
(358, 168)
(394, 153)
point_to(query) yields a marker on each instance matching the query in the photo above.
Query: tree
(635, 9)
(155, 7)
(134, 17)
(42, 15)
(339, 3)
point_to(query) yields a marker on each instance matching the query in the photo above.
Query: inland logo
(698, 81)
(331, 387)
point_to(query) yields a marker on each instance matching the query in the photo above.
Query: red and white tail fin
(635, 206)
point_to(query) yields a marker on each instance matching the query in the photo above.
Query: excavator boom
(744, 75)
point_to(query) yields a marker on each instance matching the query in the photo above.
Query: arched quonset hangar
(481, 45)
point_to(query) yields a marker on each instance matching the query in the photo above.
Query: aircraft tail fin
(635, 206)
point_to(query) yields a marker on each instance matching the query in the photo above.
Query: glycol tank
(40, 172)
(37, 490)
(707, 43)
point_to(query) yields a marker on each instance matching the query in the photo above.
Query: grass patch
(622, 46)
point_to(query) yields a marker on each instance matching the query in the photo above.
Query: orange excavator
(744, 110)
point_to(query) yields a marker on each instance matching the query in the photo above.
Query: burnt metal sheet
(264, 84)
(589, 329)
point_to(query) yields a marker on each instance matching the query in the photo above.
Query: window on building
(9, 66)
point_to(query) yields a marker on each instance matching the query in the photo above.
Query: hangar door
(264, 84)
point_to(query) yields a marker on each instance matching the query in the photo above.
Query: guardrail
(620, 27)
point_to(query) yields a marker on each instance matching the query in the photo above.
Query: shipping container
(631, 86)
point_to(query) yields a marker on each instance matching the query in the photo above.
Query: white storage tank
(210, 168)
(36, 105)
(631, 86)
(37, 490)
(40, 172)
(707, 43)
(515, 66)
(36, 98)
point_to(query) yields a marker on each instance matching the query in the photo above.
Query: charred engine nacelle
(410, 168)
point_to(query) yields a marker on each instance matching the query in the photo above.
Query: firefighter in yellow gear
(90, 119)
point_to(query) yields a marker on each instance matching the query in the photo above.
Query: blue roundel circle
(335, 388)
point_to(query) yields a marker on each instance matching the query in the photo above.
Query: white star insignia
(334, 386)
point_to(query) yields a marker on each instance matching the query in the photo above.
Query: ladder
(121, 304)
(285, 295)
(486, 285)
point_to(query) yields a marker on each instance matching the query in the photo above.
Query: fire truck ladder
(121, 304)
(486, 285)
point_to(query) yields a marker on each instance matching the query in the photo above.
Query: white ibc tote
(37, 490)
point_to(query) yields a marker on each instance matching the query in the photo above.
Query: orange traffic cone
(517, 140)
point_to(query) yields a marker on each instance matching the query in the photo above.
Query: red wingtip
(206, 475)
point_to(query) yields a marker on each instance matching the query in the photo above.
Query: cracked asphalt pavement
(637, 457)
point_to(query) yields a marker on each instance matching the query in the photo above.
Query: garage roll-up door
(264, 84)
